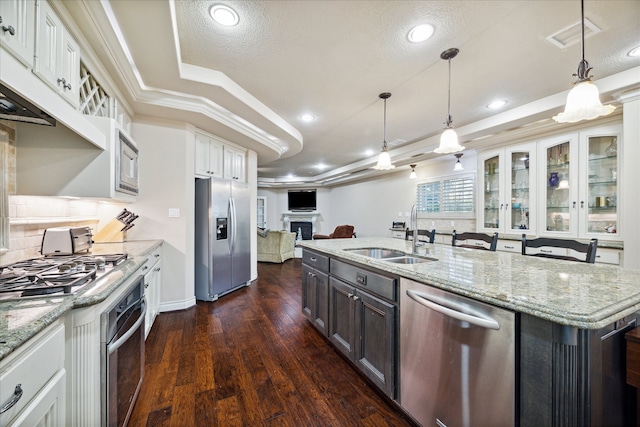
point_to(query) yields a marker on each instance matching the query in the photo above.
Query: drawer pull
(361, 279)
(356, 298)
(156, 255)
(17, 394)
(314, 259)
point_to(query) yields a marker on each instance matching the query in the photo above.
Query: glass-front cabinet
(581, 174)
(507, 196)
(599, 202)
(261, 214)
(559, 197)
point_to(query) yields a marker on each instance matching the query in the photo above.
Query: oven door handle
(118, 343)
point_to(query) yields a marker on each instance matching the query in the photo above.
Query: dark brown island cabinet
(356, 309)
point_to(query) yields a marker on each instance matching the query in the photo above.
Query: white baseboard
(177, 305)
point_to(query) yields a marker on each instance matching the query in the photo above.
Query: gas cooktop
(54, 275)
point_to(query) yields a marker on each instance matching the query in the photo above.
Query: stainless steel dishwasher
(457, 359)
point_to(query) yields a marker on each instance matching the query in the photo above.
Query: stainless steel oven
(122, 355)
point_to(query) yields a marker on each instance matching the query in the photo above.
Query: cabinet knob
(64, 83)
(582, 204)
(158, 269)
(356, 298)
(156, 255)
(10, 29)
(349, 295)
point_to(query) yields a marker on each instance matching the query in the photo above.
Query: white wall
(630, 213)
(166, 181)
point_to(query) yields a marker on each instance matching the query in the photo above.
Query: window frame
(450, 214)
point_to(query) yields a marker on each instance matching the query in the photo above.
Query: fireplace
(305, 226)
(304, 220)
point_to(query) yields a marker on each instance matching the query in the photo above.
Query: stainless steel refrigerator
(223, 243)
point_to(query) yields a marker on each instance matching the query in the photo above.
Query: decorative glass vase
(612, 150)
(554, 180)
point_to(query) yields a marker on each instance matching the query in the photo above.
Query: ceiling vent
(572, 34)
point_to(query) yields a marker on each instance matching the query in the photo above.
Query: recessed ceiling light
(420, 33)
(369, 152)
(634, 52)
(224, 15)
(307, 118)
(497, 104)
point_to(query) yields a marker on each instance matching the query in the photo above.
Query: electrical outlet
(453, 223)
(174, 212)
(433, 224)
(400, 214)
(407, 214)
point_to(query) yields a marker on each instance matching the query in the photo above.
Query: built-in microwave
(126, 165)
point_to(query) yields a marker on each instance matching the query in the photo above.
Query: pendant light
(413, 175)
(384, 160)
(449, 138)
(458, 165)
(583, 101)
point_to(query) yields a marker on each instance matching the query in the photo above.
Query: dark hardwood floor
(252, 359)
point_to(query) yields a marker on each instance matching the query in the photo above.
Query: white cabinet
(580, 173)
(507, 184)
(209, 157)
(36, 369)
(57, 59)
(215, 158)
(234, 164)
(17, 29)
(152, 285)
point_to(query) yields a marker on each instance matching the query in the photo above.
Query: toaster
(66, 240)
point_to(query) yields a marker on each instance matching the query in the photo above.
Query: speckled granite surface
(22, 319)
(586, 296)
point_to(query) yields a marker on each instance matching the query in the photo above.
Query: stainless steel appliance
(126, 164)
(66, 240)
(122, 355)
(223, 246)
(457, 359)
(54, 276)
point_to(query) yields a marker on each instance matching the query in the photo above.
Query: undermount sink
(409, 260)
(378, 253)
(391, 255)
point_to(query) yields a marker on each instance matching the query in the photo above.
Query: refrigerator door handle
(232, 217)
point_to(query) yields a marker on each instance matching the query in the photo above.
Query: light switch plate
(174, 212)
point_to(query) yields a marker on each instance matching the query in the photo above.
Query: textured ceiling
(333, 58)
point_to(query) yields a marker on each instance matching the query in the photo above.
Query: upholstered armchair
(341, 232)
(276, 246)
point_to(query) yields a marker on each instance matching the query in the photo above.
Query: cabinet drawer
(509, 246)
(373, 282)
(32, 368)
(608, 256)
(315, 260)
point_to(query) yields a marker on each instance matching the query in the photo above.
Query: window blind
(446, 195)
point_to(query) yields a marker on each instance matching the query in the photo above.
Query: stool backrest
(570, 250)
(427, 236)
(487, 242)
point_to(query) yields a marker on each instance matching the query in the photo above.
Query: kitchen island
(566, 354)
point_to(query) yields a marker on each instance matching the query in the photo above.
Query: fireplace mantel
(311, 217)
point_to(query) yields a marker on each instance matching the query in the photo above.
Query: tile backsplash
(29, 216)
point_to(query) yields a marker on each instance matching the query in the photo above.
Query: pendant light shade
(384, 160)
(583, 101)
(413, 175)
(458, 165)
(449, 138)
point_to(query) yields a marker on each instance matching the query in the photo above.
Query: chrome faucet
(414, 229)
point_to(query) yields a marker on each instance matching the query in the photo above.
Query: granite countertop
(586, 296)
(22, 319)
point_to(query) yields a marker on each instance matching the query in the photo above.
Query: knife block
(111, 233)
